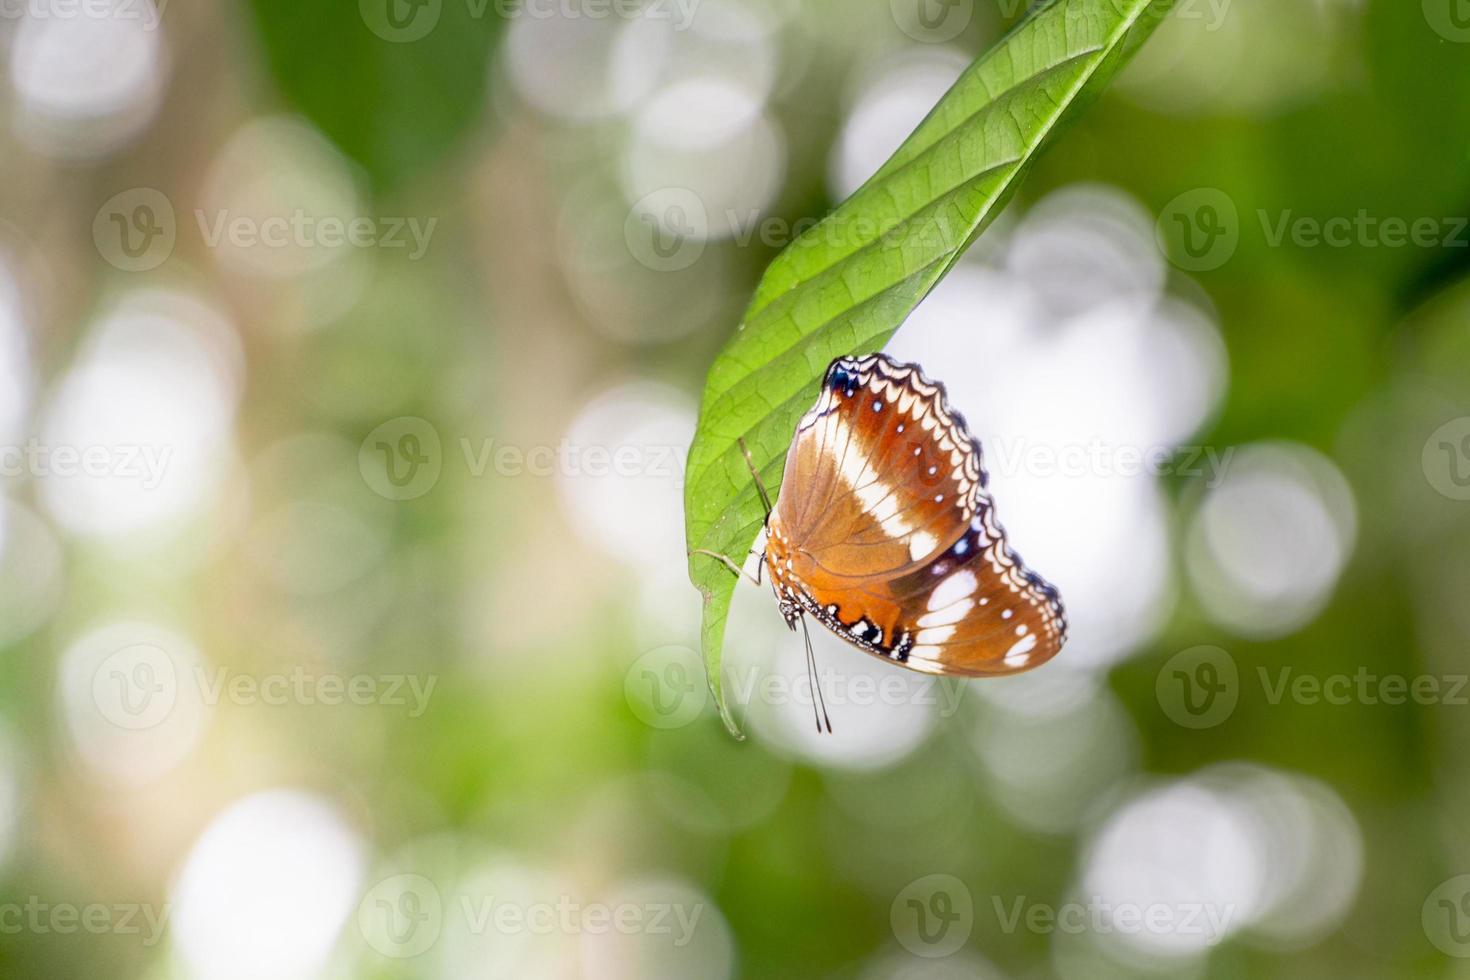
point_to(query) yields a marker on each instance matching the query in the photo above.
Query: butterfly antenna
(760, 486)
(811, 674)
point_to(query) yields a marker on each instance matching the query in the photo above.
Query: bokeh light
(131, 696)
(1049, 768)
(1233, 847)
(88, 81)
(619, 471)
(894, 97)
(280, 864)
(1267, 545)
(139, 430)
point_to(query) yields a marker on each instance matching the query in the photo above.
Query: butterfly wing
(884, 531)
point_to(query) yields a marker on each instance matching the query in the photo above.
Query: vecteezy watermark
(1446, 917)
(139, 686)
(1211, 13)
(1200, 230)
(1101, 917)
(406, 21)
(668, 230)
(1019, 456)
(1364, 686)
(485, 456)
(137, 230)
(404, 915)
(149, 14)
(933, 916)
(1446, 459)
(298, 229)
(665, 688)
(403, 458)
(935, 21)
(1200, 687)
(1450, 19)
(37, 916)
(144, 464)
(1364, 230)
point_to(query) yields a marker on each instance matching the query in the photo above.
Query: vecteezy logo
(665, 687)
(1446, 459)
(136, 687)
(135, 230)
(401, 916)
(1449, 18)
(1199, 230)
(1446, 916)
(933, 917)
(666, 231)
(400, 21)
(932, 21)
(401, 459)
(1198, 687)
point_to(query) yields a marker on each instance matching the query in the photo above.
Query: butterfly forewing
(885, 532)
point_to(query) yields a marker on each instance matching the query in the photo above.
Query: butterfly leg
(730, 564)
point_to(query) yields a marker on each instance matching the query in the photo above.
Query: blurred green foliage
(397, 84)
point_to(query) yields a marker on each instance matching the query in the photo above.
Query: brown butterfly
(884, 532)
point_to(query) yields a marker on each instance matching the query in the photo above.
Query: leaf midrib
(880, 180)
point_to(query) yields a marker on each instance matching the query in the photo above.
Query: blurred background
(348, 357)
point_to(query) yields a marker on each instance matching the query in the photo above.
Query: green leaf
(394, 83)
(846, 285)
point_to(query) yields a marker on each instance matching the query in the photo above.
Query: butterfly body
(885, 533)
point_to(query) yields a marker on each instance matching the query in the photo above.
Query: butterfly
(885, 533)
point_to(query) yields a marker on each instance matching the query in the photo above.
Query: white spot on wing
(952, 613)
(922, 544)
(935, 634)
(1020, 651)
(958, 586)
